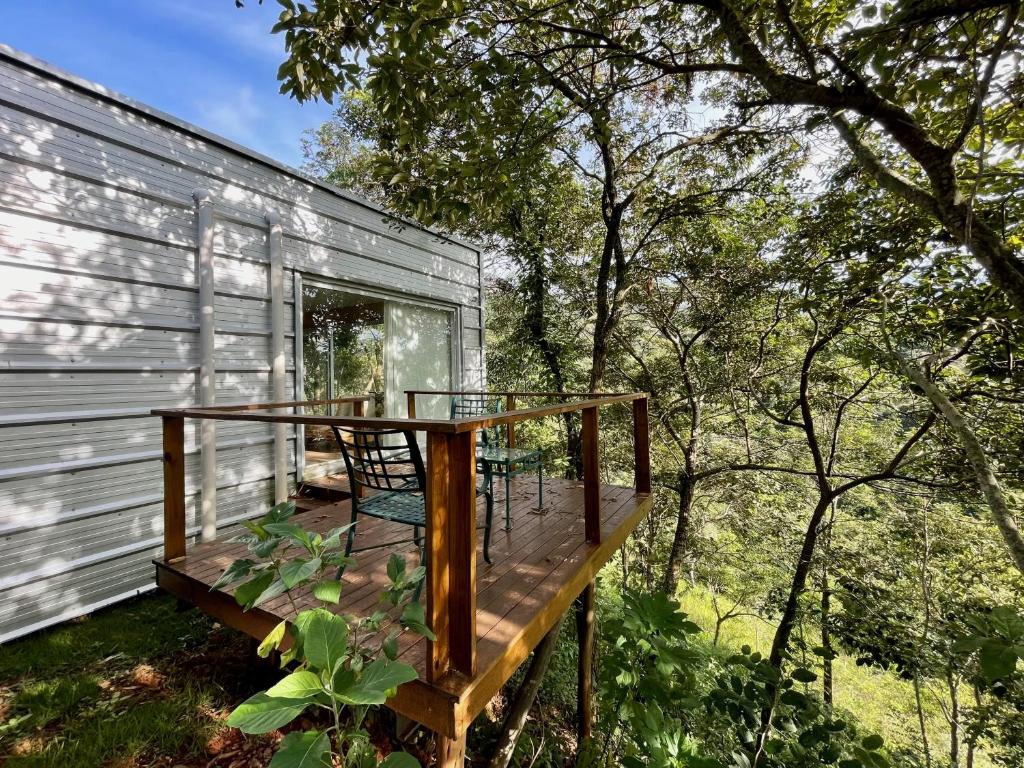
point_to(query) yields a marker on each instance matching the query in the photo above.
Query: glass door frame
(302, 280)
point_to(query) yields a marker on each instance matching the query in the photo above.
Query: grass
(140, 684)
(882, 702)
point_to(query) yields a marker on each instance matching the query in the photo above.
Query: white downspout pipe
(207, 366)
(277, 355)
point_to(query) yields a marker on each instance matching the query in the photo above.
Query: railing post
(510, 405)
(591, 477)
(641, 447)
(410, 399)
(174, 488)
(451, 542)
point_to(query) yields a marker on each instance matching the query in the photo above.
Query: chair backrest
(469, 406)
(376, 460)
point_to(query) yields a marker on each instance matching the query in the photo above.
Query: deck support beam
(585, 676)
(174, 488)
(451, 557)
(450, 752)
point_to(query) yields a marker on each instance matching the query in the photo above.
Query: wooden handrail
(448, 426)
(505, 394)
(290, 404)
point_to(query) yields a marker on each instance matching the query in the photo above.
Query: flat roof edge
(28, 61)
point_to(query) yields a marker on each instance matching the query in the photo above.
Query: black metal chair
(492, 455)
(388, 464)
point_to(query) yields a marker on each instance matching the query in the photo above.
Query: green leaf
(328, 591)
(308, 749)
(804, 675)
(237, 570)
(262, 713)
(400, 760)
(379, 679)
(414, 619)
(390, 646)
(272, 640)
(296, 571)
(873, 742)
(396, 567)
(325, 639)
(298, 685)
(247, 594)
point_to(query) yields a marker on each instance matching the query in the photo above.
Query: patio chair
(493, 457)
(388, 464)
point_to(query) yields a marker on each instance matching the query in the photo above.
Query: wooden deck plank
(538, 570)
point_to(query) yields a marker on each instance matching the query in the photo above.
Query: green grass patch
(126, 686)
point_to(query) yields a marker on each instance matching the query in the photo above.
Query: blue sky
(200, 60)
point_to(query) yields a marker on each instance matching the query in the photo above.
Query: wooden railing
(450, 494)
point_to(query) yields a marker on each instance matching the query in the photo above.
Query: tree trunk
(954, 719)
(921, 722)
(826, 608)
(515, 720)
(991, 489)
(679, 551)
(787, 622)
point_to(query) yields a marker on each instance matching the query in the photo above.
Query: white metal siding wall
(99, 323)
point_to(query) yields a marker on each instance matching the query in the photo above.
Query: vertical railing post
(451, 564)
(641, 447)
(410, 400)
(510, 405)
(591, 476)
(174, 488)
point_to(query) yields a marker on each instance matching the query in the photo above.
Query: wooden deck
(538, 569)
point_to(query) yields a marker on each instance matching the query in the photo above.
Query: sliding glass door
(355, 343)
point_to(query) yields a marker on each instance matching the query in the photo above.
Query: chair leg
(488, 515)
(417, 537)
(349, 541)
(508, 503)
(423, 562)
(540, 487)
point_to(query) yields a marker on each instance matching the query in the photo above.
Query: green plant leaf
(306, 749)
(873, 742)
(804, 675)
(298, 685)
(262, 713)
(400, 760)
(328, 591)
(414, 619)
(325, 639)
(272, 640)
(237, 570)
(296, 571)
(247, 594)
(379, 679)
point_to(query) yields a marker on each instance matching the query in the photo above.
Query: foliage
(342, 664)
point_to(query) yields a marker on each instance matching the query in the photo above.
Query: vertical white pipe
(207, 368)
(277, 366)
(300, 389)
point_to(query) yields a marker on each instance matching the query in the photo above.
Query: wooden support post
(410, 400)
(448, 752)
(641, 447)
(510, 405)
(591, 477)
(174, 488)
(585, 677)
(451, 564)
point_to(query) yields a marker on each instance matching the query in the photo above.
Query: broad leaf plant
(344, 664)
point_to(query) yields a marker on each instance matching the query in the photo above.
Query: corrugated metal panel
(99, 324)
